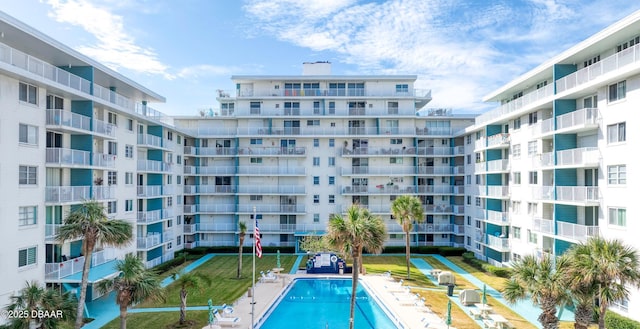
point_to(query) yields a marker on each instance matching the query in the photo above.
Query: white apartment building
(74, 130)
(300, 148)
(553, 164)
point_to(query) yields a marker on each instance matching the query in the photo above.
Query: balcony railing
(498, 140)
(150, 241)
(378, 189)
(498, 217)
(209, 189)
(614, 62)
(271, 170)
(58, 271)
(385, 171)
(189, 228)
(272, 208)
(439, 170)
(272, 151)
(71, 157)
(577, 193)
(150, 191)
(67, 193)
(498, 165)
(577, 231)
(271, 189)
(159, 260)
(516, 104)
(149, 140)
(315, 92)
(578, 118)
(153, 165)
(152, 216)
(68, 119)
(498, 243)
(215, 208)
(497, 191)
(543, 225)
(210, 170)
(579, 156)
(51, 231)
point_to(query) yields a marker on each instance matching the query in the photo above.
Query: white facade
(554, 163)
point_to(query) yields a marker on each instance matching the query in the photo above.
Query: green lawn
(161, 320)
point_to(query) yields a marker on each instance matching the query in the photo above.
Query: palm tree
(610, 266)
(134, 284)
(407, 209)
(89, 222)
(188, 281)
(242, 228)
(542, 280)
(359, 230)
(33, 297)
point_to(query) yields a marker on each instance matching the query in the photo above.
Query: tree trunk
(603, 311)
(354, 287)
(123, 317)
(87, 248)
(548, 317)
(183, 305)
(408, 253)
(583, 316)
(240, 259)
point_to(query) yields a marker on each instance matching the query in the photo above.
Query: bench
(489, 324)
(477, 314)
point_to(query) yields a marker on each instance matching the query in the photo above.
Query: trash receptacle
(249, 292)
(450, 289)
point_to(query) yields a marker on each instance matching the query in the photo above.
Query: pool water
(324, 304)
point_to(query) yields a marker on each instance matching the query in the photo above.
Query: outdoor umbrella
(210, 312)
(448, 318)
(484, 294)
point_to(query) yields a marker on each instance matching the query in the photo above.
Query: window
(332, 199)
(402, 88)
(55, 102)
(255, 198)
(517, 122)
(112, 148)
(516, 232)
(313, 122)
(28, 93)
(618, 216)
(396, 141)
(332, 161)
(532, 237)
(169, 223)
(392, 107)
(256, 160)
(616, 133)
(532, 148)
(128, 178)
(515, 151)
(395, 160)
(128, 151)
(28, 134)
(532, 208)
(179, 139)
(27, 215)
(533, 118)
(178, 180)
(27, 256)
(316, 218)
(169, 179)
(129, 125)
(478, 202)
(332, 142)
(316, 198)
(316, 107)
(316, 142)
(533, 177)
(254, 108)
(617, 174)
(332, 180)
(128, 205)
(515, 207)
(468, 158)
(178, 220)
(256, 141)
(112, 178)
(170, 201)
(178, 240)
(316, 180)
(112, 207)
(468, 199)
(170, 135)
(28, 175)
(316, 161)
(617, 91)
(468, 179)
(468, 139)
(517, 178)
(112, 118)
(332, 107)
(179, 159)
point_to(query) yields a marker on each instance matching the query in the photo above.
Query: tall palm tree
(359, 230)
(542, 280)
(407, 209)
(34, 297)
(90, 223)
(134, 284)
(188, 281)
(242, 228)
(610, 265)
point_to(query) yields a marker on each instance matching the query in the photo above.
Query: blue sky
(187, 49)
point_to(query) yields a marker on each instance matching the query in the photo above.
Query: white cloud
(113, 47)
(462, 50)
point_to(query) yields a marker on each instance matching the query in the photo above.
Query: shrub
(616, 321)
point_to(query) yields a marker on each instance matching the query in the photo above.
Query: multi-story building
(74, 130)
(299, 148)
(548, 168)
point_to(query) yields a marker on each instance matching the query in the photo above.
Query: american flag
(256, 235)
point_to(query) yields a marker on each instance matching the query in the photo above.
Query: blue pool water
(324, 303)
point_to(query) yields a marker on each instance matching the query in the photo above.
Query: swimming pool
(324, 303)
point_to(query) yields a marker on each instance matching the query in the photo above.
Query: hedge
(614, 320)
(470, 259)
(444, 251)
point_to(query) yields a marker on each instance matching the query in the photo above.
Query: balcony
(271, 170)
(516, 104)
(373, 208)
(577, 231)
(149, 191)
(51, 231)
(612, 63)
(440, 189)
(579, 120)
(579, 194)
(378, 189)
(497, 243)
(149, 241)
(213, 208)
(68, 119)
(189, 228)
(498, 140)
(498, 165)
(391, 151)
(494, 191)
(217, 227)
(443, 209)
(498, 217)
(440, 170)
(377, 171)
(154, 166)
(209, 170)
(159, 260)
(153, 216)
(209, 189)
(59, 271)
(211, 151)
(62, 194)
(543, 225)
(272, 208)
(584, 156)
(148, 140)
(271, 189)
(272, 151)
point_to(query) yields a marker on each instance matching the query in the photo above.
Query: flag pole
(253, 284)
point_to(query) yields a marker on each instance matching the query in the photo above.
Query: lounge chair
(269, 277)
(231, 322)
(407, 300)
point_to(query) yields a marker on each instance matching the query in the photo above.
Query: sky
(185, 50)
